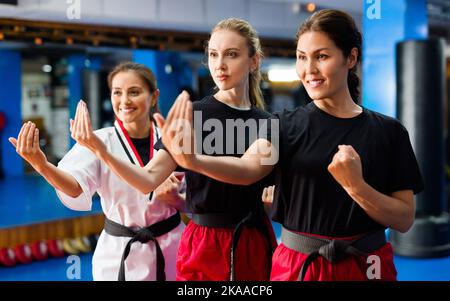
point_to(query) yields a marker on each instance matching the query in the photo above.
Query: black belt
(143, 235)
(253, 219)
(333, 250)
(218, 220)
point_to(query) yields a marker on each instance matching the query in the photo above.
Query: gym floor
(28, 200)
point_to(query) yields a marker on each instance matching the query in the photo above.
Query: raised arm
(27, 146)
(178, 137)
(395, 210)
(144, 179)
(245, 170)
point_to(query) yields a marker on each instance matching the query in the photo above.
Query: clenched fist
(267, 195)
(170, 191)
(346, 167)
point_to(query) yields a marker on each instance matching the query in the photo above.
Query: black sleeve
(270, 130)
(265, 129)
(159, 145)
(405, 173)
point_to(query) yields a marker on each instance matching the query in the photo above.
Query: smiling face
(321, 65)
(131, 98)
(229, 61)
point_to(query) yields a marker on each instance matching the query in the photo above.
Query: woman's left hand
(346, 168)
(177, 131)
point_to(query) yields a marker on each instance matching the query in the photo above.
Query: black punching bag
(420, 108)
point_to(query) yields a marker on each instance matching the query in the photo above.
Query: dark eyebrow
(317, 50)
(132, 87)
(228, 49)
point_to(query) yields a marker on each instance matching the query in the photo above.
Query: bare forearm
(141, 179)
(60, 179)
(386, 210)
(233, 170)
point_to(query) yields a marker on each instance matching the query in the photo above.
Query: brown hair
(244, 29)
(341, 29)
(143, 72)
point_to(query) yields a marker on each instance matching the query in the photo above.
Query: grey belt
(332, 250)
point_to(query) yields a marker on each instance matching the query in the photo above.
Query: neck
(138, 129)
(339, 105)
(235, 97)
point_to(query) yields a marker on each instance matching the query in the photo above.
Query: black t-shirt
(307, 197)
(206, 195)
(142, 146)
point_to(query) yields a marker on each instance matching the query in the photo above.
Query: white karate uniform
(122, 204)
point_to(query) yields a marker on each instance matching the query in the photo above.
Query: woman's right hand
(267, 195)
(169, 192)
(27, 145)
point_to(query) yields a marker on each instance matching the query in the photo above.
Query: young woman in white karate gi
(142, 232)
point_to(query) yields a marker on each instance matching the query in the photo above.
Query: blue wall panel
(10, 105)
